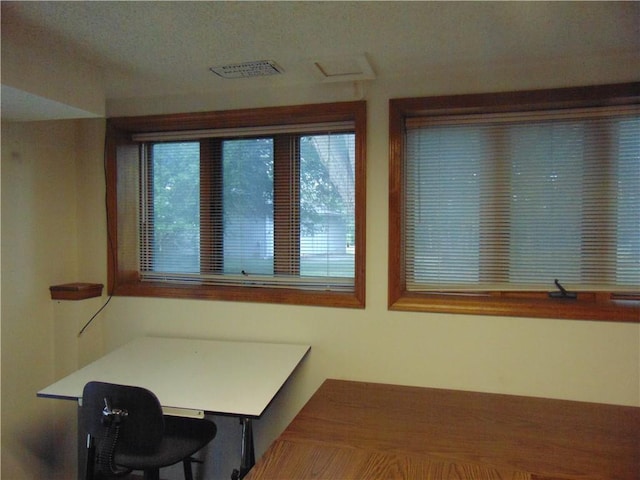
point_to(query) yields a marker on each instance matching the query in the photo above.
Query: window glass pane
(174, 219)
(628, 210)
(248, 206)
(443, 182)
(546, 202)
(511, 205)
(317, 194)
(327, 205)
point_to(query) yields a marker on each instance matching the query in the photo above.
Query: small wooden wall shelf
(75, 291)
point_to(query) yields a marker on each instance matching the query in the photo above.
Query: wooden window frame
(123, 278)
(600, 306)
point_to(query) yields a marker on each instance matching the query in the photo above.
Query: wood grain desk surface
(356, 430)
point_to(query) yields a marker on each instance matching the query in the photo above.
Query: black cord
(105, 457)
(94, 316)
(109, 239)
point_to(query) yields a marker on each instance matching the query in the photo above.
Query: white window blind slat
(267, 130)
(231, 229)
(512, 202)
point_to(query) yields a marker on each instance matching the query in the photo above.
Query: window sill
(241, 294)
(536, 306)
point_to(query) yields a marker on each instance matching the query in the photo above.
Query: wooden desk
(194, 377)
(353, 430)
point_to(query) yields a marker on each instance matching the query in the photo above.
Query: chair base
(150, 474)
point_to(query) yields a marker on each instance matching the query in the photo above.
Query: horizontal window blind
(267, 130)
(514, 201)
(334, 284)
(250, 207)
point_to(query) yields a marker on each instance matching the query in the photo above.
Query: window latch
(562, 293)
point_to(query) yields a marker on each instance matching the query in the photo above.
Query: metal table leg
(248, 457)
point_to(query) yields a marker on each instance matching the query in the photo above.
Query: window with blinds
(265, 212)
(497, 206)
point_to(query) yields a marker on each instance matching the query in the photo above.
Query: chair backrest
(142, 428)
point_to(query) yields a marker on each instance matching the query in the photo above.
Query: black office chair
(127, 431)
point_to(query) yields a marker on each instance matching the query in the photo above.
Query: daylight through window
(498, 205)
(267, 212)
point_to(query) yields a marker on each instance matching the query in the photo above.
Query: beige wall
(53, 231)
(41, 247)
(591, 361)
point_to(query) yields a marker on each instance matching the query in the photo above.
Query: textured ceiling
(166, 48)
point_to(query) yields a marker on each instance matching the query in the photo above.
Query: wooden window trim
(210, 194)
(124, 280)
(286, 211)
(600, 306)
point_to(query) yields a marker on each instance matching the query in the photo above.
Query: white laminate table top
(202, 376)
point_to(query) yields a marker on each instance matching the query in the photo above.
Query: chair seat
(182, 438)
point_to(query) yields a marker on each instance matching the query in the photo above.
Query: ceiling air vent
(258, 68)
(344, 69)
